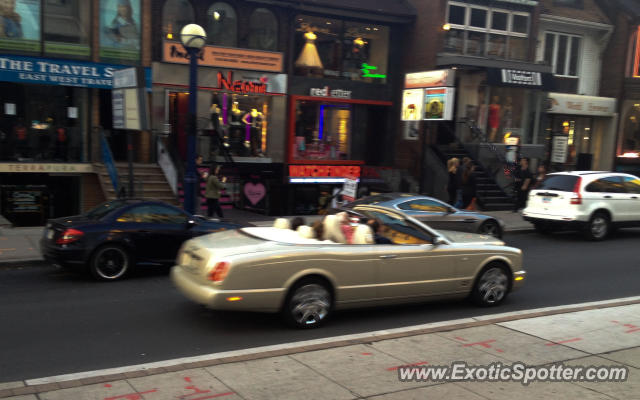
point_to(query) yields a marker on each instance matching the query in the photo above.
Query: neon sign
(366, 72)
(240, 86)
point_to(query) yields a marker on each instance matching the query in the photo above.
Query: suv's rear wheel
(598, 227)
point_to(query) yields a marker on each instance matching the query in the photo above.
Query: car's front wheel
(308, 304)
(492, 286)
(109, 263)
(598, 227)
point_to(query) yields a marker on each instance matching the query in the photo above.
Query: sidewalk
(367, 365)
(22, 244)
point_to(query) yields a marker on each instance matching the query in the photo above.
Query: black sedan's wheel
(598, 227)
(308, 305)
(491, 287)
(109, 263)
(491, 228)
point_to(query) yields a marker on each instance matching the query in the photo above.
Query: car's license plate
(546, 199)
(50, 233)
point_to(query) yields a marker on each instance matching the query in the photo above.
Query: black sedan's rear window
(563, 183)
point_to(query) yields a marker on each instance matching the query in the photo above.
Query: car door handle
(387, 256)
(634, 197)
(469, 220)
(607, 197)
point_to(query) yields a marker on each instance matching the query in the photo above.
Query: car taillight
(576, 198)
(69, 236)
(219, 271)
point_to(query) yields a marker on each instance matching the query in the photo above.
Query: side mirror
(439, 241)
(450, 210)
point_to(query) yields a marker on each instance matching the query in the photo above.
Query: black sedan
(110, 239)
(435, 213)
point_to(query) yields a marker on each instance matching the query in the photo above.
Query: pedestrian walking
(468, 185)
(523, 179)
(541, 174)
(213, 191)
(453, 184)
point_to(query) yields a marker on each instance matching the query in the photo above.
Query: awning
(520, 78)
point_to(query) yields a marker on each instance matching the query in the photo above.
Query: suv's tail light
(220, 271)
(576, 198)
(69, 236)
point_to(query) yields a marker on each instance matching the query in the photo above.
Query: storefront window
(340, 49)
(222, 26)
(175, 15)
(322, 131)
(365, 52)
(577, 131)
(34, 128)
(631, 136)
(120, 30)
(263, 30)
(66, 27)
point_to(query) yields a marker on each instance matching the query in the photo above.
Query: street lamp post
(193, 39)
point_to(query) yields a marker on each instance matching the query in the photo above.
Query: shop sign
(441, 77)
(438, 104)
(560, 103)
(350, 188)
(78, 168)
(241, 86)
(560, 149)
(57, 72)
(525, 78)
(325, 171)
(412, 103)
(225, 57)
(327, 92)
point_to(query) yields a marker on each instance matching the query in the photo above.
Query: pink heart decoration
(254, 192)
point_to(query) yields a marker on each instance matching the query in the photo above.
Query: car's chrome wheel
(309, 305)
(490, 228)
(598, 228)
(110, 263)
(491, 287)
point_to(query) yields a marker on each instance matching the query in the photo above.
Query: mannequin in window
(253, 139)
(235, 128)
(507, 115)
(308, 62)
(494, 118)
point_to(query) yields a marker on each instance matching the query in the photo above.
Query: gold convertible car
(276, 269)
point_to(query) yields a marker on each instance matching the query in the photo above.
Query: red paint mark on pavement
(615, 322)
(460, 339)
(107, 385)
(500, 350)
(187, 379)
(366, 354)
(563, 341)
(484, 344)
(630, 325)
(407, 365)
(131, 396)
(633, 330)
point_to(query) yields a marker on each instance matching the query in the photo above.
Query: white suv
(593, 202)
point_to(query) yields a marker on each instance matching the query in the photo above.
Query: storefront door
(579, 135)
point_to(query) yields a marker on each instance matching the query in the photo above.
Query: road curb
(41, 385)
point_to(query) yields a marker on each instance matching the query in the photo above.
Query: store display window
(630, 144)
(338, 49)
(322, 131)
(34, 128)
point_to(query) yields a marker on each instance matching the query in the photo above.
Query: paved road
(53, 322)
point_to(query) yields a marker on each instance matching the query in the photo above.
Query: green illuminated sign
(366, 72)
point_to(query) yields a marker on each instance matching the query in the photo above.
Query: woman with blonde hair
(452, 186)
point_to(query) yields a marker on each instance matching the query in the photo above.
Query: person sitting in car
(377, 237)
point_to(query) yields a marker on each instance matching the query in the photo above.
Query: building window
(634, 52)
(20, 26)
(66, 27)
(263, 30)
(120, 30)
(322, 131)
(222, 25)
(175, 15)
(340, 49)
(487, 32)
(562, 51)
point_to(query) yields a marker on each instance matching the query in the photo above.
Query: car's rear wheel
(491, 228)
(598, 227)
(492, 286)
(308, 304)
(109, 263)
